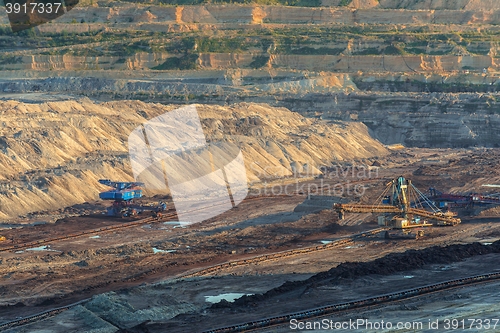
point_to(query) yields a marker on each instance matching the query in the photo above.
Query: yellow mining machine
(2, 238)
(403, 209)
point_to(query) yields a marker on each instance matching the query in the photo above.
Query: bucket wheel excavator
(123, 194)
(401, 205)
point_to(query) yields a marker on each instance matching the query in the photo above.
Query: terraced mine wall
(252, 14)
(398, 66)
(428, 120)
(396, 112)
(208, 61)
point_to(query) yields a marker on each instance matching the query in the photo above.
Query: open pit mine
(265, 166)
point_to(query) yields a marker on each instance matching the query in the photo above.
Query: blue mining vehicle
(123, 195)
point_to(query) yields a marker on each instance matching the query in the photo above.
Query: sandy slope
(52, 154)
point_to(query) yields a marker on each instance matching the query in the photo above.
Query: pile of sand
(52, 154)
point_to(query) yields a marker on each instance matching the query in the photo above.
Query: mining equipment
(470, 200)
(2, 238)
(122, 194)
(402, 207)
(157, 212)
(403, 234)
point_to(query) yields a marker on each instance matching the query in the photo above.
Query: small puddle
(17, 226)
(39, 223)
(11, 226)
(487, 243)
(41, 248)
(178, 223)
(230, 297)
(94, 237)
(353, 246)
(155, 250)
(408, 276)
(325, 242)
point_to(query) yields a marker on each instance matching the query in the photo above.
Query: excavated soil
(86, 267)
(291, 293)
(390, 264)
(55, 152)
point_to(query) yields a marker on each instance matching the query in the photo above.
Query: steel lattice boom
(404, 201)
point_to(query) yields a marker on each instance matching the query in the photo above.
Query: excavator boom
(400, 205)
